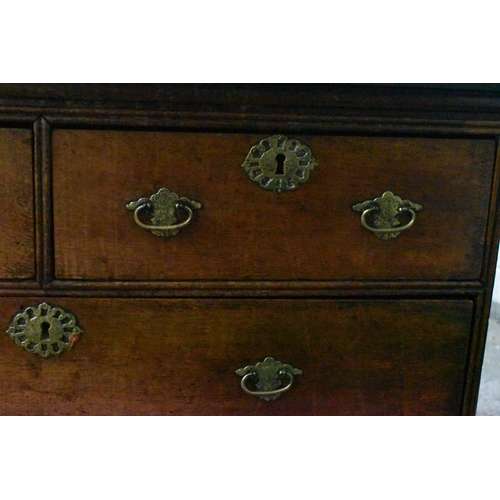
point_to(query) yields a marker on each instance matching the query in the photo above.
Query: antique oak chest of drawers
(246, 249)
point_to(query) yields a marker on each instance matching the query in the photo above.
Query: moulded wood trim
(21, 284)
(257, 120)
(483, 303)
(182, 294)
(475, 356)
(467, 97)
(43, 201)
(268, 121)
(492, 229)
(21, 288)
(262, 289)
(14, 119)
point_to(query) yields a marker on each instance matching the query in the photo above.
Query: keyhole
(45, 331)
(280, 160)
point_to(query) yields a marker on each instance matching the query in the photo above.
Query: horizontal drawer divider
(314, 123)
(265, 285)
(244, 289)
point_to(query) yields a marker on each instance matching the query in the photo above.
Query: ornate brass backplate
(163, 208)
(279, 164)
(384, 210)
(44, 330)
(268, 376)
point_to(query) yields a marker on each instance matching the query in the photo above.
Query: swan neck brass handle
(384, 212)
(275, 392)
(163, 208)
(268, 377)
(173, 227)
(396, 229)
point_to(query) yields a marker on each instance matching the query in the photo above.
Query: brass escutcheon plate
(44, 330)
(279, 164)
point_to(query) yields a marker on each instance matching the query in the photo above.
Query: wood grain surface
(17, 248)
(246, 233)
(178, 357)
(378, 328)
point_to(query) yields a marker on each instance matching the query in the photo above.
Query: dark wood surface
(17, 248)
(246, 233)
(178, 357)
(82, 143)
(374, 99)
(374, 109)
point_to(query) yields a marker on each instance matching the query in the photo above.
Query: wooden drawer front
(246, 232)
(178, 357)
(17, 251)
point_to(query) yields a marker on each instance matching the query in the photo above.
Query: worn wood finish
(43, 202)
(17, 248)
(246, 233)
(403, 323)
(320, 108)
(262, 288)
(178, 357)
(483, 302)
(438, 101)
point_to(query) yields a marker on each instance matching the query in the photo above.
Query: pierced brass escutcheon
(384, 211)
(268, 377)
(279, 164)
(162, 208)
(44, 330)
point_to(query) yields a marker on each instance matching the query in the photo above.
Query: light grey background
(489, 390)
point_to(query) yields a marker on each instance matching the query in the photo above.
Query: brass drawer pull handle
(386, 208)
(260, 394)
(44, 330)
(396, 229)
(268, 377)
(163, 228)
(163, 207)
